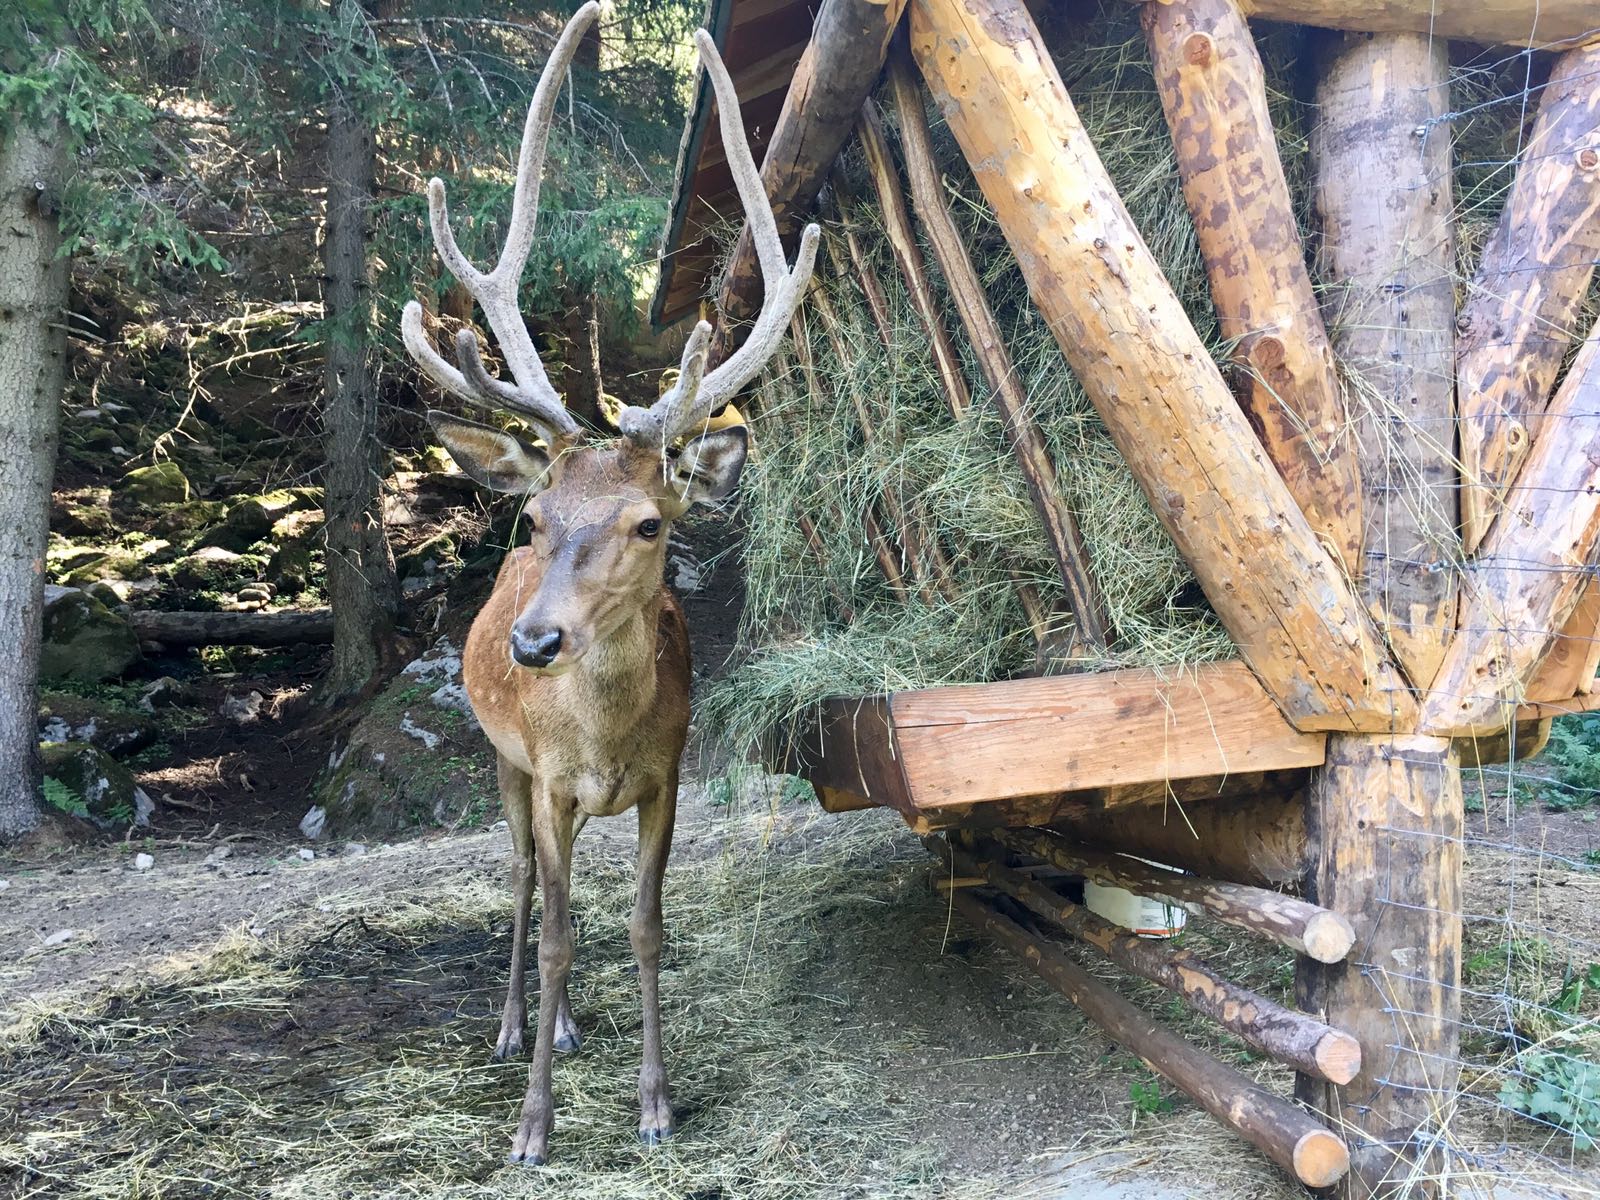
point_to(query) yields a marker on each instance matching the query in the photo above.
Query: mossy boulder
(109, 726)
(117, 562)
(304, 525)
(192, 515)
(428, 557)
(256, 515)
(289, 569)
(213, 566)
(163, 483)
(83, 639)
(87, 782)
(83, 514)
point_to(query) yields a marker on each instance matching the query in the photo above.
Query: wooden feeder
(1326, 759)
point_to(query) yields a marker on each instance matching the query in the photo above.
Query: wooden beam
(1522, 313)
(1290, 1037)
(284, 627)
(1025, 737)
(1545, 24)
(1214, 93)
(1534, 566)
(835, 74)
(1568, 667)
(1381, 152)
(971, 302)
(1277, 1128)
(1385, 823)
(1306, 928)
(1278, 592)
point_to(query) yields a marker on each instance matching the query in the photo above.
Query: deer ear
(708, 466)
(501, 461)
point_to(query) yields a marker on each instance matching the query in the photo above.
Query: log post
(1385, 823)
(1312, 930)
(1214, 93)
(1521, 315)
(1381, 151)
(1277, 591)
(835, 74)
(1277, 1128)
(1534, 566)
(1282, 1034)
(1083, 593)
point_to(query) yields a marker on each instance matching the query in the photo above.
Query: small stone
(60, 938)
(354, 849)
(4, 884)
(314, 822)
(305, 854)
(164, 693)
(143, 862)
(216, 857)
(243, 709)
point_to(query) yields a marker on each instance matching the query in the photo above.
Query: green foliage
(1560, 1089)
(61, 797)
(1574, 751)
(1578, 984)
(1147, 1098)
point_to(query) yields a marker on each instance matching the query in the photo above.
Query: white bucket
(1137, 914)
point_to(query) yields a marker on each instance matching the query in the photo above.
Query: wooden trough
(1402, 600)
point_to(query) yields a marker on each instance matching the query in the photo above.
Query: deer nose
(537, 649)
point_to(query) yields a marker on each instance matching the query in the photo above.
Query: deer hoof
(527, 1160)
(568, 1042)
(509, 1045)
(654, 1137)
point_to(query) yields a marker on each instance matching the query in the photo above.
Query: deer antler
(496, 291)
(696, 394)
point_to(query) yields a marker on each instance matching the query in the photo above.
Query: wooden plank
(1214, 93)
(848, 747)
(1387, 259)
(1569, 666)
(1278, 592)
(1026, 737)
(1545, 24)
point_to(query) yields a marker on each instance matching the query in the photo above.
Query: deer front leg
(517, 803)
(655, 843)
(552, 841)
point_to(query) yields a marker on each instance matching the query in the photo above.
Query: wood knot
(1198, 49)
(1588, 158)
(1516, 435)
(1267, 352)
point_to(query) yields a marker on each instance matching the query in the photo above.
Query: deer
(577, 666)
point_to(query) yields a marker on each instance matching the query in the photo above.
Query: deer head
(598, 510)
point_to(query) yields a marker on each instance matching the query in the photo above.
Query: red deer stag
(578, 665)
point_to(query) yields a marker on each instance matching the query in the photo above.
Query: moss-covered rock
(428, 557)
(83, 639)
(116, 562)
(114, 728)
(88, 783)
(256, 515)
(289, 569)
(86, 513)
(163, 483)
(213, 567)
(191, 515)
(302, 526)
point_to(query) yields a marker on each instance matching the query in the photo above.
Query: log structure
(1392, 504)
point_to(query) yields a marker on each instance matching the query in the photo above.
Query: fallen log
(285, 627)
(1279, 593)
(1312, 930)
(1281, 1131)
(1214, 93)
(1544, 24)
(1289, 1037)
(1521, 314)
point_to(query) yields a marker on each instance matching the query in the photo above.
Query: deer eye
(649, 527)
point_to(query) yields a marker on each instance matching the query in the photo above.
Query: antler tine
(496, 291)
(686, 407)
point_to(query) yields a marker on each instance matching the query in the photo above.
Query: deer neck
(614, 682)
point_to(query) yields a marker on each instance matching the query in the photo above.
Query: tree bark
(361, 574)
(1279, 593)
(1214, 93)
(1382, 156)
(33, 301)
(1385, 821)
(1523, 311)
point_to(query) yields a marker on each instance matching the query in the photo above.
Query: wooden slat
(1025, 737)
(850, 748)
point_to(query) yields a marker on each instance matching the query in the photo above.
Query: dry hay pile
(823, 625)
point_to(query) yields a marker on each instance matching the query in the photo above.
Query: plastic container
(1137, 914)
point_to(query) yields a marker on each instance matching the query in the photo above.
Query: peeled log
(833, 78)
(1214, 93)
(1312, 930)
(282, 628)
(1382, 156)
(1385, 822)
(1277, 1128)
(1545, 24)
(1278, 592)
(1534, 567)
(1289, 1037)
(1522, 314)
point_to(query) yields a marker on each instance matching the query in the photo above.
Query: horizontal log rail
(1306, 928)
(1289, 1037)
(1543, 24)
(1280, 1130)
(284, 627)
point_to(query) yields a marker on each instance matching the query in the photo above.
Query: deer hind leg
(517, 802)
(552, 842)
(644, 930)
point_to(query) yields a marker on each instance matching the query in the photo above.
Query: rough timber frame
(1384, 637)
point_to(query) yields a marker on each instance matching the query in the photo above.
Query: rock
(314, 822)
(243, 709)
(216, 857)
(165, 693)
(118, 562)
(86, 513)
(256, 515)
(186, 518)
(97, 787)
(302, 526)
(254, 593)
(354, 849)
(437, 458)
(163, 483)
(289, 568)
(210, 566)
(427, 737)
(428, 557)
(305, 854)
(83, 639)
(64, 717)
(59, 938)
(143, 862)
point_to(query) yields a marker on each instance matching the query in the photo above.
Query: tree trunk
(361, 575)
(1384, 819)
(1382, 155)
(33, 300)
